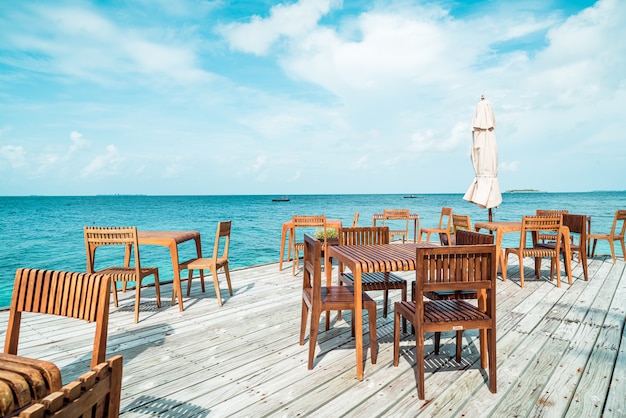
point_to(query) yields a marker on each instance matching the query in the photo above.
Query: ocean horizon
(47, 231)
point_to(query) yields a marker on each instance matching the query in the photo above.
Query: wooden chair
(24, 380)
(463, 237)
(214, 264)
(577, 225)
(70, 294)
(371, 281)
(397, 215)
(454, 268)
(308, 223)
(458, 222)
(355, 221)
(317, 299)
(443, 228)
(538, 225)
(95, 394)
(96, 237)
(547, 237)
(611, 237)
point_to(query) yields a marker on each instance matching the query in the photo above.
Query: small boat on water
(282, 199)
(412, 196)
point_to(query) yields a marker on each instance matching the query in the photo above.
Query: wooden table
(500, 228)
(412, 217)
(171, 239)
(24, 380)
(368, 259)
(288, 228)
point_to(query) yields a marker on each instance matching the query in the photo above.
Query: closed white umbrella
(484, 190)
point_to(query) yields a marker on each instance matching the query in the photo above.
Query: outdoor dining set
(32, 387)
(454, 290)
(455, 273)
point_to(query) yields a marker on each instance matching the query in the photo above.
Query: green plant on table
(330, 233)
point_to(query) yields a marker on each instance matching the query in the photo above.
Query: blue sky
(310, 96)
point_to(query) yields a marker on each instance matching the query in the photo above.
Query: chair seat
(451, 294)
(376, 281)
(447, 311)
(127, 274)
(203, 263)
(539, 251)
(338, 297)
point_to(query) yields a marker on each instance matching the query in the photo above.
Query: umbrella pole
(490, 215)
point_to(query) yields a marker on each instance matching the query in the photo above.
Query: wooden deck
(561, 352)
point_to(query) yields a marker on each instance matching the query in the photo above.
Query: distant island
(524, 191)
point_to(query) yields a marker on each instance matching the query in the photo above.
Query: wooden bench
(95, 394)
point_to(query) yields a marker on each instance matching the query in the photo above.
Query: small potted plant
(332, 237)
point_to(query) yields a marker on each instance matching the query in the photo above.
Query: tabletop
(148, 237)
(379, 258)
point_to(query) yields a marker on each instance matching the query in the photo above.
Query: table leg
(177, 289)
(282, 248)
(482, 305)
(499, 253)
(358, 322)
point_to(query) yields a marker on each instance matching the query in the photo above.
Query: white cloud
(80, 42)
(510, 166)
(78, 142)
(290, 21)
(104, 165)
(14, 155)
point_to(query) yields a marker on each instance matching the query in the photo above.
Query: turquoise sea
(47, 232)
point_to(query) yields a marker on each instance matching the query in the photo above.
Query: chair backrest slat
(620, 216)
(466, 237)
(96, 237)
(373, 235)
(70, 294)
(223, 231)
(460, 267)
(312, 277)
(537, 224)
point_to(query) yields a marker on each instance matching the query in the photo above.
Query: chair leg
(114, 290)
(189, 277)
(612, 245)
(538, 268)
(371, 313)
(582, 256)
(419, 362)
(437, 342)
(296, 261)
(385, 301)
(396, 336)
(521, 271)
(491, 337)
(403, 291)
(459, 345)
(227, 272)
(137, 299)
(557, 263)
(304, 317)
(593, 248)
(157, 289)
(315, 323)
(202, 280)
(216, 283)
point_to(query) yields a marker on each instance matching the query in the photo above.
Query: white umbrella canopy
(485, 189)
